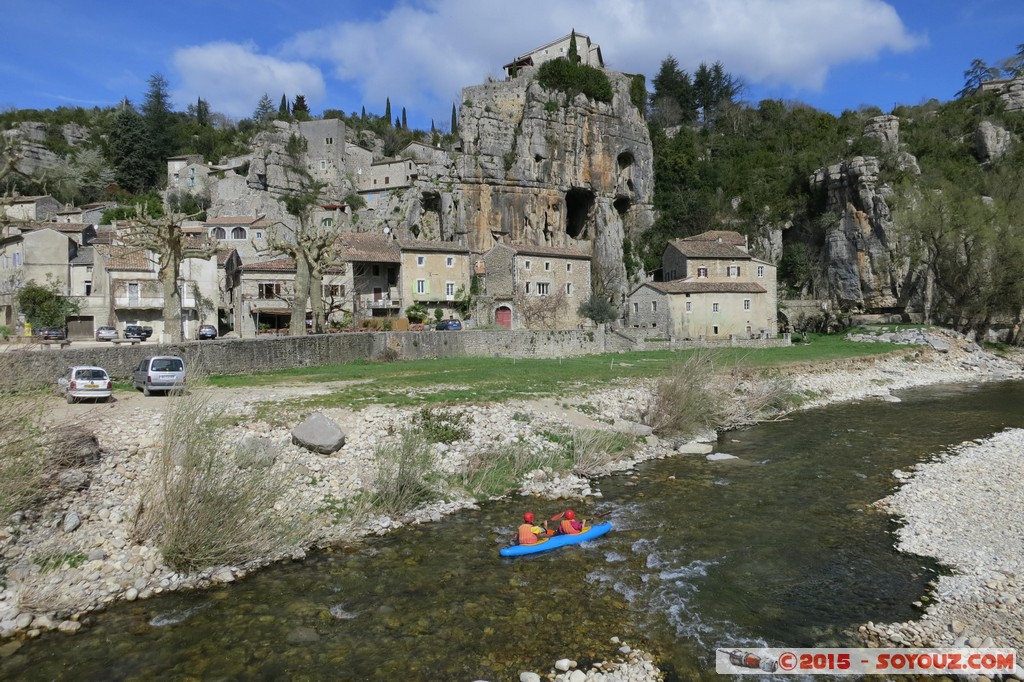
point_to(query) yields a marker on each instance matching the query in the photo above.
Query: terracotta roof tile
(237, 220)
(557, 251)
(439, 247)
(724, 236)
(709, 249)
(283, 264)
(369, 248)
(122, 257)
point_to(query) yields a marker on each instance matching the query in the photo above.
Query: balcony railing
(371, 302)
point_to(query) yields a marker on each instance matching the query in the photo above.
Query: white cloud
(233, 77)
(422, 54)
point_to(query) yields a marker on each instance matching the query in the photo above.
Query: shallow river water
(777, 548)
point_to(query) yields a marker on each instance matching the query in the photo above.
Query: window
(568, 267)
(547, 265)
(421, 286)
(654, 306)
(421, 260)
(376, 271)
(88, 268)
(636, 307)
(689, 306)
(450, 261)
(568, 288)
(259, 235)
(746, 304)
(760, 271)
(714, 307)
(526, 265)
(387, 180)
(327, 222)
(714, 330)
(733, 271)
(702, 272)
(218, 233)
(238, 233)
(268, 290)
(329, 140)
(449, 289)
(6, 262)
(392, 276)
(527, 287)
(323, 165)
(88, 288)
(542, 288)
(17, 259)
(332, 291)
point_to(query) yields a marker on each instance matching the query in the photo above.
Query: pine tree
(264, 109)
(405, 123)
(300, 109)
(161, 125)
(387, 111)
(129, 149)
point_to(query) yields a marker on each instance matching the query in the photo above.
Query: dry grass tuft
(592, 451)
(403, 470)
(685, 402)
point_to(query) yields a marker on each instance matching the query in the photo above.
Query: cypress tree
(387, 111)
(455, 119)
(362, 115)
(405, 123)
(574, 55)
(282, 110)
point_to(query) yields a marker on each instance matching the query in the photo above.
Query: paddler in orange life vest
(569, 525)
(528, 533)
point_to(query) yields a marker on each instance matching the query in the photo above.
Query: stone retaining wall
(245, 356)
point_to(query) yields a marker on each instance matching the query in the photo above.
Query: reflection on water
(776, 548)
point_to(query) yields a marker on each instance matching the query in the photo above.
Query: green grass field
(483, 379)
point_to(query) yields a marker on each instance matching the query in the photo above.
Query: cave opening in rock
(579, 204)
(625, 160)
(622, 205)
(430, 215)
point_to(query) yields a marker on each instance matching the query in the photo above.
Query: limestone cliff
(863, 260)
(540, 168)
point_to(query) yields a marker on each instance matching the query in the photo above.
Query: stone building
(589, 53)
(714, 289)
(435, 275)
(536, 286)
(370, 285)
(35, 208)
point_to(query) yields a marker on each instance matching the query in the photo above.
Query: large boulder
(319, 433)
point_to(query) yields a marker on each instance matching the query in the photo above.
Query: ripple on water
(177, 616)
(339, 612)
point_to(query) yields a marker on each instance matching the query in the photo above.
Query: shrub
(684, 402)
(402, 470)
(564, 76)
(598, 309)
(208, 503)
(592, 451)
(495, 471)
(24, 466)
(438, 426)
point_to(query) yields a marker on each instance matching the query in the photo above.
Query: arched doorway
(503, 317)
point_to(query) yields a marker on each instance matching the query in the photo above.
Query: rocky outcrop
(991, 142)
(538, 167)
(30, 140)
(864, 262)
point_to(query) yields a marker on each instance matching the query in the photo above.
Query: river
(779, 547)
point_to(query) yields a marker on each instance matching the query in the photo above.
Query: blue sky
(831, 54)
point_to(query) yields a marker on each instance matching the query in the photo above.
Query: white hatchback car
(85, 382)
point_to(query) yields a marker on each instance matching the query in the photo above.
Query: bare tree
(314, 249)
(164, 238)
(542, 312)
(10, 155)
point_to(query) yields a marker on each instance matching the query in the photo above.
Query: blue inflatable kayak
(556, 541)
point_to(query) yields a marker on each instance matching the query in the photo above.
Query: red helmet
(570, 514)
(528, 517)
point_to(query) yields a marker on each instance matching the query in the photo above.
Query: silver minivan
(159, 373)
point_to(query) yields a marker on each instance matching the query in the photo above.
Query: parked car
(453, 325)
(50, 334)
(147, 332)
(206, 331)
(85, 382)
(106, 334)
(134, 331)
(159, 373)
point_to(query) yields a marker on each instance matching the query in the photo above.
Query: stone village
(524, 219)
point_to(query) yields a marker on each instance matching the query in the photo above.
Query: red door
(503, 316)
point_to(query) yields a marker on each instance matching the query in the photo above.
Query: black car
(134, 331)
(206, 331)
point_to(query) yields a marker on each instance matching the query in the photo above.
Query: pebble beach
(960, 508)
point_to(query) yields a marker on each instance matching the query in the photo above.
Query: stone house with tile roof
(435, 275)
(713, 289)
(42, 208)
(371, 282)
(42, 255)
(520, 281)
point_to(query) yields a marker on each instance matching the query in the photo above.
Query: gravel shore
(93, 515)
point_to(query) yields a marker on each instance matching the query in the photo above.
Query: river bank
(118, 569)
